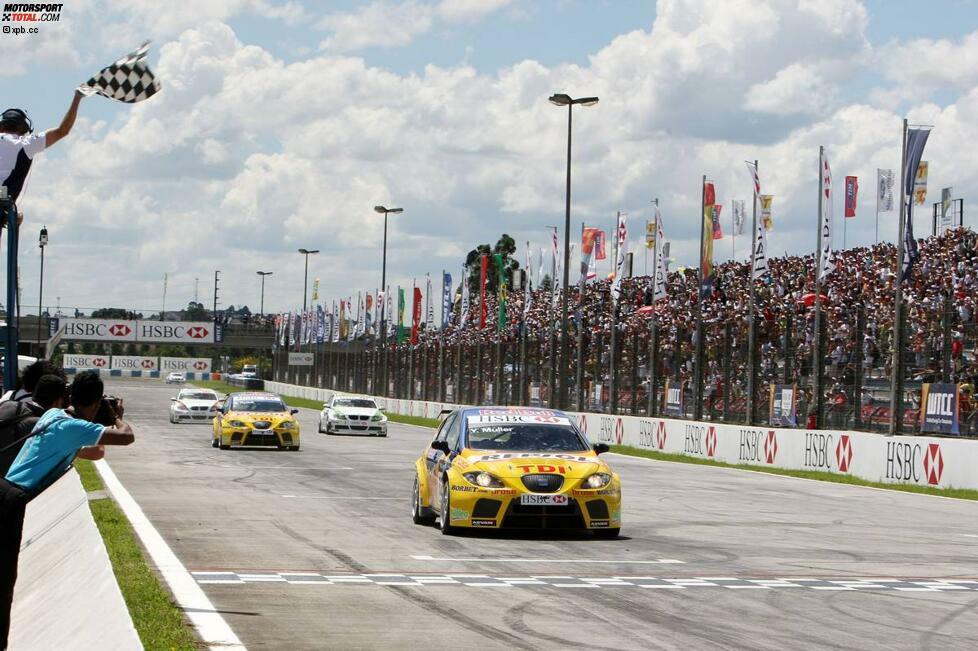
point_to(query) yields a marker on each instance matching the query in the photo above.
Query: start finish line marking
(562, 581)
(658, 561)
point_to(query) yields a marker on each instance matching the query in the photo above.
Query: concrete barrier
(921, 460)
(66, 595)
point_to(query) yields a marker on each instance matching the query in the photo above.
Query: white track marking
(211, 627)
(338, 497)
(660, 561)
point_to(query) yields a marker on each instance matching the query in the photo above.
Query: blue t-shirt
(53, 450)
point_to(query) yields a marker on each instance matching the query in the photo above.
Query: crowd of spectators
(857, 313)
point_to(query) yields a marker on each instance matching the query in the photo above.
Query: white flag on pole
(825, 255)
(659, 282)
(622, 232)
(759, 251)
(884, 190)
(738, 217)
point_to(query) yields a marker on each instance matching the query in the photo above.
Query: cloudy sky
(282, 123)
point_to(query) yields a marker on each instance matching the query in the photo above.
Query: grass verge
(958, 493)
(158, 620)
(307, 403)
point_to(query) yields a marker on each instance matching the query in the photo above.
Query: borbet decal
(933, 464)
(843, 453)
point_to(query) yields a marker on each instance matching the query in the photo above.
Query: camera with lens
(108, 411)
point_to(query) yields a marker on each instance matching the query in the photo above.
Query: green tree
(196, 312)
(506, 246)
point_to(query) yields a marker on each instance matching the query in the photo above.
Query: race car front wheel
(420, 514)
(446, 509)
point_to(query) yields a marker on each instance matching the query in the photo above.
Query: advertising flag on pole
(401, 330)
(320, 324)
(759, 250)
(528, 285)
(430, 302)
(884, 179)
(556, 269)
(368, 313)
(825, 253)
(622, 237)
(483, 307)
(852, 189)
(344, 324)
(463, 319)
(659, 283)
(446, 298)
(650, 234)
(588, 241)
(739, 217)
(916, 141)
(766, 219)
(946, 217)
(416, 315)
(315, 289)
(920, 184)
(717, 228)
(706, 253)
(502, 292)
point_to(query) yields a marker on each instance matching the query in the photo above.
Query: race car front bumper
(360, 427)
(504, 509)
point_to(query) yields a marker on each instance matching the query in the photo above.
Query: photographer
(58, 437)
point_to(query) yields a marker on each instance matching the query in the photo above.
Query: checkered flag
(127, 80)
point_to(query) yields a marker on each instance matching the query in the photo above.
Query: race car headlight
(179, 406)
(597, 480)
(378, 418)
(287, 425)
(337, 416)
(483, 479)
(237, 423)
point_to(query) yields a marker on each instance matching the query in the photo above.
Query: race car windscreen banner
(939, 408)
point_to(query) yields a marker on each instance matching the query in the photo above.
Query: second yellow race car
(515, 468)
(255, 419)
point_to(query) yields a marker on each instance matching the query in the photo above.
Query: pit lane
(315, 549)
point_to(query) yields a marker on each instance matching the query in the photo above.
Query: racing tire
(420, 514)
(446, 508)
(320, 427)
(221, 445)
(607, 533)
(213, 442)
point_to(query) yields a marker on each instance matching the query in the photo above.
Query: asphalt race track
(316, 550)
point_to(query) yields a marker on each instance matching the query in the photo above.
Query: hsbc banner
(185, 365)
(920, 460)
(132, 363)
(147, 332)
(86, 361)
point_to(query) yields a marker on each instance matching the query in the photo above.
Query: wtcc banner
(185, 364)
(133, 363)
(783, 405)
(939, 408)
(674, 399)
(150, 332)
(85, 361)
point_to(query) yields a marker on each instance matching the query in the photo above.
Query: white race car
(194, 406)
(352, 415)
(176, 378)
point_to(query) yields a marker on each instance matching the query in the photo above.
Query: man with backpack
(19, 412)
(47, 453)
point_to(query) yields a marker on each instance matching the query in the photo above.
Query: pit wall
(920, 460)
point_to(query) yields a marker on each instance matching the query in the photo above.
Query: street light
(561, 99)
(42, 241)
(383, 288)
(261, 310)
(305, 282)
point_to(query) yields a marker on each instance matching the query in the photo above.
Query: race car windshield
(526, 438)
(258, 405)
(355, 402)
(198, 395)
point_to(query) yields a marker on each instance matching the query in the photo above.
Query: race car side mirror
(601, 448)
(441, 446)
(293, 411)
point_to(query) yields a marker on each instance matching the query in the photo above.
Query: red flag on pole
(852, 189)
(416, 316)
(483, 309)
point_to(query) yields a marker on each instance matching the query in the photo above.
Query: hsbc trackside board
(147, 332)
(185, 365)
(134, 363)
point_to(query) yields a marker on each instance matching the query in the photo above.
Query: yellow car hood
(276, 418)
(573, 465)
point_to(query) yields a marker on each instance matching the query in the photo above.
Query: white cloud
(469, 10)
(920, 67)
(244, 157)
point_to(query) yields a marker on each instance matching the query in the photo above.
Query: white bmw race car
(176, 378)
(194, 406)
(352, 415)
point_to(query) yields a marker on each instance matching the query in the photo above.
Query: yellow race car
(255, 419)
(515, 468)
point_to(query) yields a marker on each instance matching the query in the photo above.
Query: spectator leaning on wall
(58, 437)
(19, 412)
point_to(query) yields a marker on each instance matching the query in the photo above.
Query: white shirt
(16, 155)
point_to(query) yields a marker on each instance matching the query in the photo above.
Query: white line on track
(659, 561)
(338, 497)
(211, 627)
